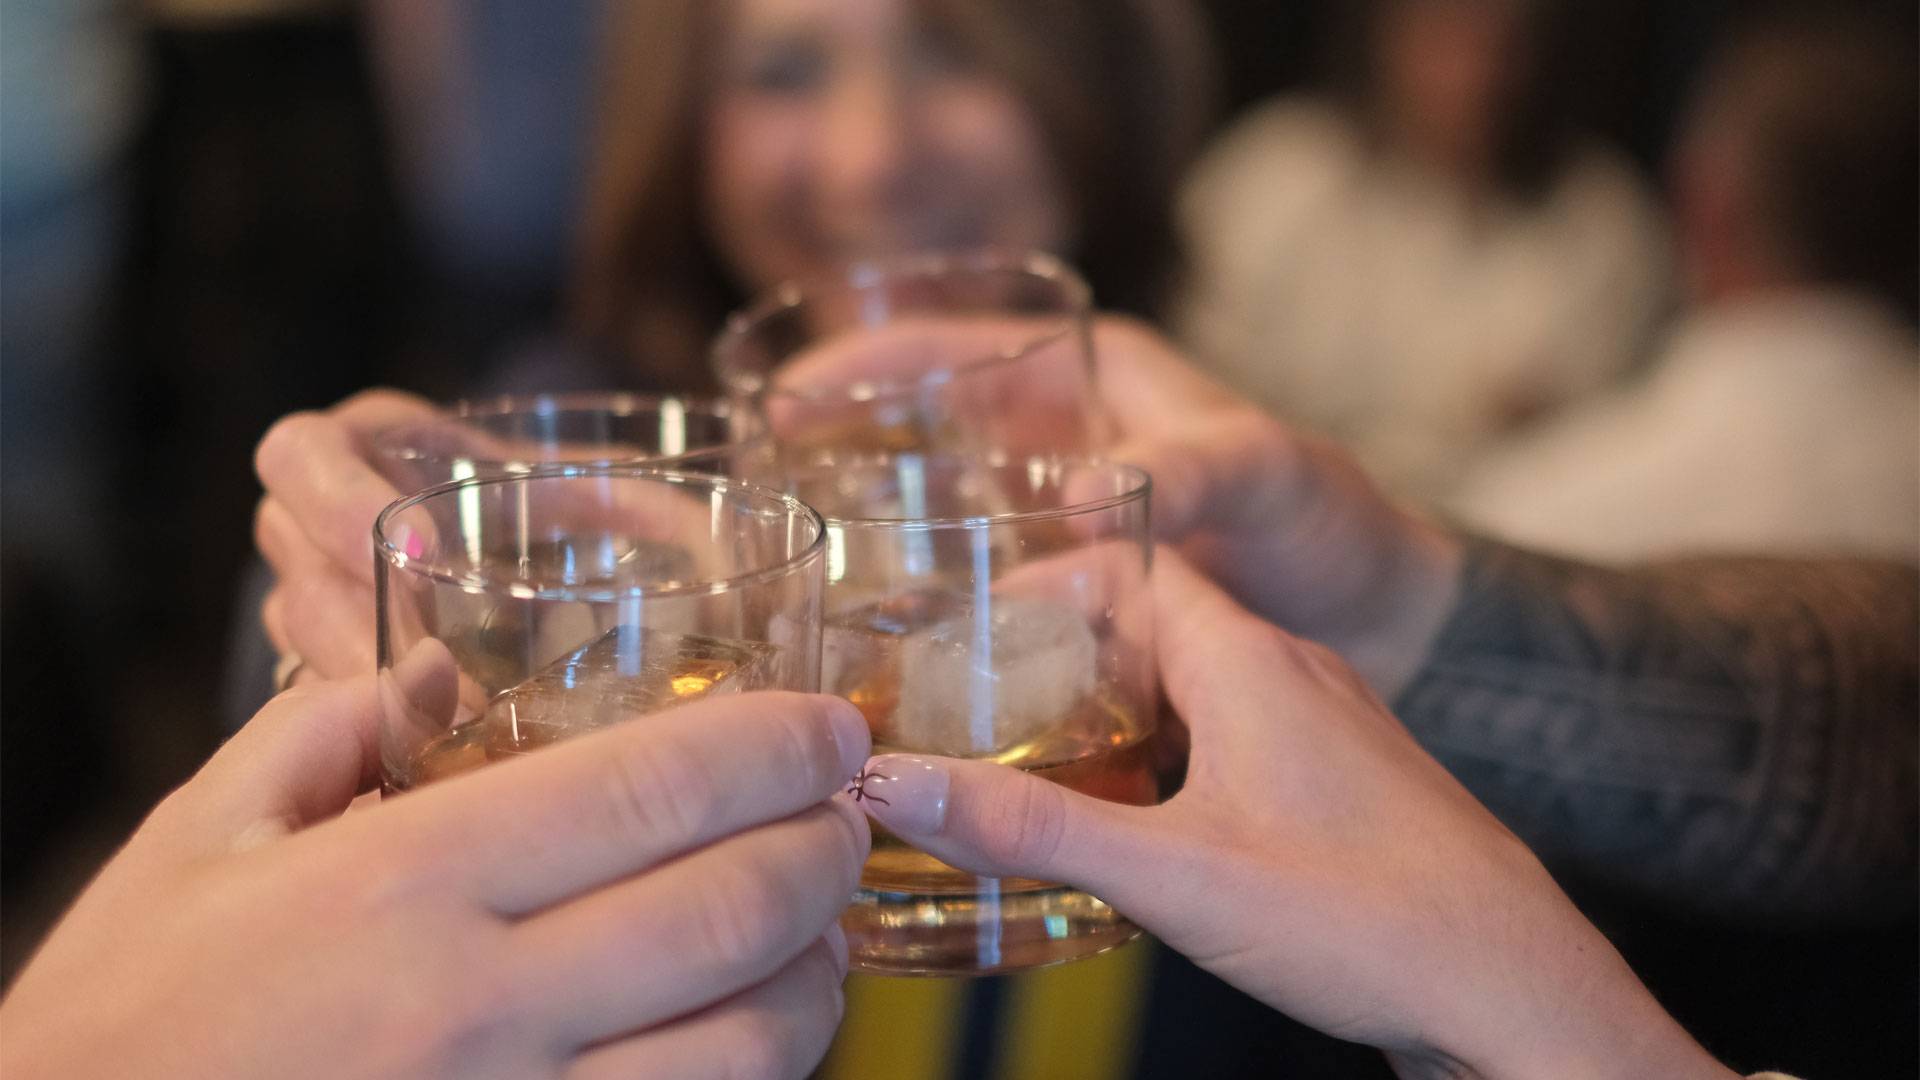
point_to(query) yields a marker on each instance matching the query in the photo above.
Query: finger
(273, 618)
(1235, 470)
(328, 619)
(1145, 383)
(370, 412)
(285, 546)
(312, 465)
(1093, 579)
(692, 931)
(907, 349)
(998, 821)
(780, 1028)
(534, 831)
(1206, 644)
(300, 760)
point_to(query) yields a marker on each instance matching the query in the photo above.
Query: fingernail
(408, 542)
(851, 737)
(905, 793)
(837, 947)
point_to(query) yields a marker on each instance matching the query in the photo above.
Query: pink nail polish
(410, 543)
(907, 794)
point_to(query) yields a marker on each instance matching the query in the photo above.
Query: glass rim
(866, 274)
(392, 555)
(613, 403)
(1138, 489)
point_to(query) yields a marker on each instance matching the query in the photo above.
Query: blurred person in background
(1430, 256)
(1784, 414)
(737, 145)
(741, 144)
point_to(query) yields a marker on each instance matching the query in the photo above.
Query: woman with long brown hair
(745, 143)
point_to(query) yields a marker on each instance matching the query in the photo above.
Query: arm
(1317, 859)
(1739, 732)
(1733, 733)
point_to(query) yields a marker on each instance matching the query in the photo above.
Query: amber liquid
(915, 915)
(479, 742)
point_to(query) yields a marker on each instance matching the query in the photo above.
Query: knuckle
(843, 844)
(763, 1049)
(806, 745)
(295, 700)
(1028, 820)
(287, 440)
(468, 1018)
(658, 794)
(741, 919)
(263, 528)
(373, 397)
(857, 839)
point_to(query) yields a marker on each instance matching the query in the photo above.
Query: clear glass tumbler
(515, 611)
(513, 434)
(981, 353)
(999, 611)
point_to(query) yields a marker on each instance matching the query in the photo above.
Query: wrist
(1609, 1029)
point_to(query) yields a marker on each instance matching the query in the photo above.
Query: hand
(315, 528)
(655, 899)
(1319, 860)
(1285, 521)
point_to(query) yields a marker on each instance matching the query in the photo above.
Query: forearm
(1734, 733)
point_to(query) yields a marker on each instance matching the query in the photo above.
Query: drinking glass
(513, 434)
(999, 610)
(518, 610)
(980, 353)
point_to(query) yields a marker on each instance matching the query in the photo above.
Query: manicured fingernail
(905, 793)
(851, 736)
(409, 543)
(837, 947)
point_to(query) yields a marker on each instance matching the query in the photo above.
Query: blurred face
(844, 129)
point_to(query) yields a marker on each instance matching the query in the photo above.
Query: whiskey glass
(512, 434)
(518, 610)
(985, 352)
(995, 609)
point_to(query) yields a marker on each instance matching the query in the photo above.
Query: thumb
(997, 821)
(303, 757)
(300, 760)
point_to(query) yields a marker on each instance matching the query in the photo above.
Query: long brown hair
(1121, 89)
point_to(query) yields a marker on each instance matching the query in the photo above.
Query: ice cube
(980, 685)
(626, 672)
(860, 648)
(930, 675)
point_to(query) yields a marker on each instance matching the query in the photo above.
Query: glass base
(978, 933)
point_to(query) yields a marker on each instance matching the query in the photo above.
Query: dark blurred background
(227, 242)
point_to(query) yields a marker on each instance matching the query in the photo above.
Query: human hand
(1010, 384)
(314, 527)
(1286, 521)
(655, 899)
(1319, 860)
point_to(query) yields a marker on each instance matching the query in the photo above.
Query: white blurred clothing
(1787, 423)
(1382, 304)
